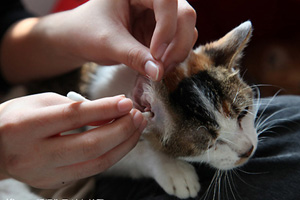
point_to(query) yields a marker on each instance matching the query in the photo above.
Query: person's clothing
(273, 173)
(10, 12)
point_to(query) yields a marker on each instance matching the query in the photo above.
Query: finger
(137, 56)
(185, 37)
(166, 24)
(71, 149)
(69, 116)
(95, 166)
(165, 12)
(180, 49)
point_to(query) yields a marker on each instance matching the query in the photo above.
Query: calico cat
(200, 112)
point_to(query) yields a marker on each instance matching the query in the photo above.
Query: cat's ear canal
(228, 50)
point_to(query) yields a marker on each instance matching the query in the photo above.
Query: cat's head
(203, 111)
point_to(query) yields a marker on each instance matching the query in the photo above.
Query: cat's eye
(243, 114)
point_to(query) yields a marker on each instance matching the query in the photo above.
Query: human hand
(150, 36)
(33, 151)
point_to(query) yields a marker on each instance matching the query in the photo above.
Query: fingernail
(160, 51)
(120, 95)
(152, 70)
(138, 119)
(125, 105)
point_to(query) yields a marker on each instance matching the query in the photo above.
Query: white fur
(111, 81)
(176, 177)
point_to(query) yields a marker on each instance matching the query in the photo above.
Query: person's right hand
(33, 151)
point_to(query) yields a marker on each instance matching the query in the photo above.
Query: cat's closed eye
(243, 114)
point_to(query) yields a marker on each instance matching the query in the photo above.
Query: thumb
(137, 56)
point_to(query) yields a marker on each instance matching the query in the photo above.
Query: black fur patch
(186, 100)
(219, 56)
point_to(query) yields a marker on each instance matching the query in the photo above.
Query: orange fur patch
(173, 78)
(226, 109)
(194, 64)
(198, 62)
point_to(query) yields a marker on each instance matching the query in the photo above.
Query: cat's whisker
(267, 129)
(262, 121)
(220, 185)
(214, 184)
(262, 139)
(208, 191)
(268, 124)
(251, 173)
(240, 178)
(230, 183)
(265, 124)
(217, 186)
(236, 94)
(260, 118)
(233, 172)
(225, 184)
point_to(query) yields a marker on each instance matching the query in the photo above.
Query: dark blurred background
(272, 59)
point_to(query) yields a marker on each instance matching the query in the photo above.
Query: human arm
(106, 32)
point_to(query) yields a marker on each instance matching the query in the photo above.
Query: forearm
(27, 52)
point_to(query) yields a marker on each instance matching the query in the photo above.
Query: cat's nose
(247, 153)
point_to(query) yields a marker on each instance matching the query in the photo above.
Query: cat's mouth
(141, 98)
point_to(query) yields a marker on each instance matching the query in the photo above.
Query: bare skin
(150, 36)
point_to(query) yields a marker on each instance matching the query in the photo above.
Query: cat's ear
(228, 50)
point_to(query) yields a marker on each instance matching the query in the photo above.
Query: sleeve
(10, 12)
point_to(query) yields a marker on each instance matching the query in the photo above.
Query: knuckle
(90, 148)
(135, 58)
(188, 13)
(16, 166)
(191, 13)
(71, 115)
(12, 164)
(60, 153)
(103, 163)
(127, 127)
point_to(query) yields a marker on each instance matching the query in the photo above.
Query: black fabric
(10, 12)
(272, 174)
